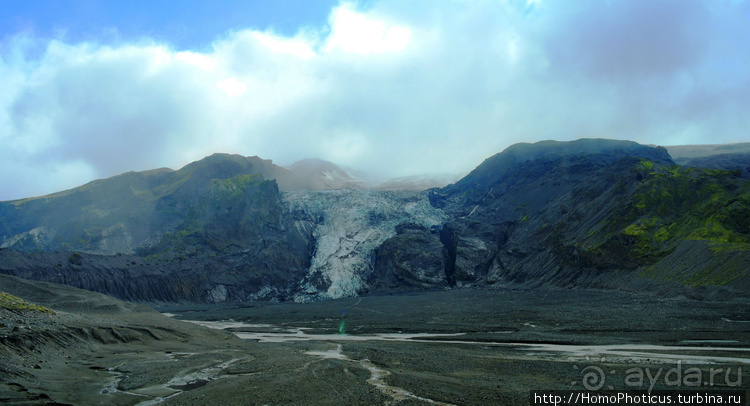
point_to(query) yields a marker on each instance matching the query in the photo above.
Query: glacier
(348, 226)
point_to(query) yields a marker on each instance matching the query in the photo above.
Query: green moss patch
(671, 205)
(10, 302)
(676, 203)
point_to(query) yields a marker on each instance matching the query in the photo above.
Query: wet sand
(493, 347)
(460, 347)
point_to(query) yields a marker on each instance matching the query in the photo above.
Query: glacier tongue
(348, 226)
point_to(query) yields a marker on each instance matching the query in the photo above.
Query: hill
(62, 346)
(596, 213)
(590, 213)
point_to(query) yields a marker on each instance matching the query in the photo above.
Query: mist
(389, 88)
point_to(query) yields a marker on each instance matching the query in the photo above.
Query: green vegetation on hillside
(231, 213)
(673, 204)
(130, 212)
(10, 302)
(691, 204)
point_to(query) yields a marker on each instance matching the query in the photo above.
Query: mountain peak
(584, 146)
(312, 163)
(604, 151)
(319, 174)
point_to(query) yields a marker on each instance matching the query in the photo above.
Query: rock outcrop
(208, 232)
(592, 213)
(412, 259)
(589, 213)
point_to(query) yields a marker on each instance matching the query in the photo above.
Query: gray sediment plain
(467, 347)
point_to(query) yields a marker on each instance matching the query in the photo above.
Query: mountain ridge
(590, 213)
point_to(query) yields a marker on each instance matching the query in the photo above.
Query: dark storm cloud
(628, 39)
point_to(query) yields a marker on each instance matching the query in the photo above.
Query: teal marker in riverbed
(342, 324)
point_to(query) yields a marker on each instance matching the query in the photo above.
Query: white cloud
(345, 147)
(399, 88)
(202, 61)
(357, 33)
(293, 46)
(232, 87)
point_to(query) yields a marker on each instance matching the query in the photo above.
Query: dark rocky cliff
(209, 232)
(585, 214)
(412, 259)
(127, 212)
(270, 275)
(594, 213)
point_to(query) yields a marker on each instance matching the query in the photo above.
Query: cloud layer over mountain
(391, 87)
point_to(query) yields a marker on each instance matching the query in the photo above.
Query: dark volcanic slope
(587, 213)
(727, 157)
(188, 208)
(136, 210)
(70, 355)
(596, 213)
(212, 231)
(737, 162)
(680, 152)
(268, 274)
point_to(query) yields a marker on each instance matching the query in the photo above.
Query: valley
(492, 347)
(590, 213)
(554, 265)
(374, 202)
(461, 347)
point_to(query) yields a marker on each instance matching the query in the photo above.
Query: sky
(91, 89)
